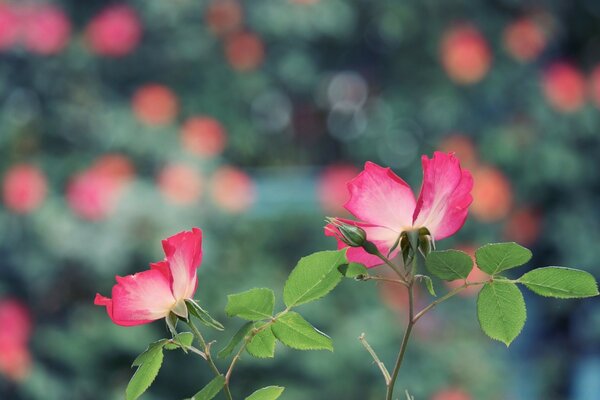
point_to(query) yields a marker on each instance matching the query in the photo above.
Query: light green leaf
(262, 345)
(294, 331)
(560, 282)
(254, 304)
(145, 374)
(267, 393)
(353, 270)
(313, 277)
(449, 264)
(235, 340)
(202, 315)
(501, 311)
(211, 389)
(182, 340)
(497, 257)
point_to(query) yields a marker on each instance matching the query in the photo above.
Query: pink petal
(139, 299)
(380, 197)
(184, 254)
(383, 238)
(445, 196)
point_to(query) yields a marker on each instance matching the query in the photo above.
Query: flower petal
(183, 254)
(139, 299)
(380, 197)
(445, 196)
(383, 238)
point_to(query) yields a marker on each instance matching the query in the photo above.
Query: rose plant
(393, 230)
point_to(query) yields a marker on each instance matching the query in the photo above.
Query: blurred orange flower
(203, 136)
(465, 54)
(155, 104)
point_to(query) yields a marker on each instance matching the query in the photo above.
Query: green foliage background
(61, 112)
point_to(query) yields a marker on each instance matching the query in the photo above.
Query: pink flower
(115, 31)
(24, 188)
(386, 206)
(15, 358)
(46, 29)
(153, 294)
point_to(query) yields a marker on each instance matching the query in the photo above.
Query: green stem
(446, 297)
(404, 345)
(211, 363)
(392, 266)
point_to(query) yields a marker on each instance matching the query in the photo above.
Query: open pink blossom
(153, 294)
(385, 205)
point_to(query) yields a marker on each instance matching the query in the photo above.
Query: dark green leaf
(211, 389)
(313, 277)
(294, 331)
(202, 315)
(235, 340)
(560, 282)
(262, 345)
(501, 311)
(145, 374)
(267, 393)
(149, 352)
(253, 305)
(497, 257)
(449, 264)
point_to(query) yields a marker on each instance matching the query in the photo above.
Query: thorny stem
(392, 266)
(211, 363)
(383, 279)
(381, 365)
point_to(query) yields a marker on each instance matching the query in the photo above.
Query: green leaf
(211, 389)
(428, 284)
(149, 352)
(145, 374)
(560, 282)
(497, 257)
(449, 264)
(294, 331)
(182, 340)
(235, 340)
(262, 345)
(267, 393)
(352, 270)
(202, 315)
(313, 277)
(253, 304)
(501, 311)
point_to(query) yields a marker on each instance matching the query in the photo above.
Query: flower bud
(351, 235)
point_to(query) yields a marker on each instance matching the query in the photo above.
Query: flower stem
(392, 266)
(209, 360)
(404, 345)
(380, 364)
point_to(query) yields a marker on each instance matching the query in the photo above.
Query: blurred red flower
(244, 51)
(333, 187)
(451, 393)
(524, 39)
(46, 29)
(223, 16)
(232, 189)
(465, 54)
(595, 86)
(180, 184)
(15, 320)
(564, 87)
(24, 188)
(115, 31)
(463, 147)
(523, 226)
(203, 136)
(492, 195)
(92, 194)
(155, 104)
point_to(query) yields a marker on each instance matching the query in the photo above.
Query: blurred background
(124, 122)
